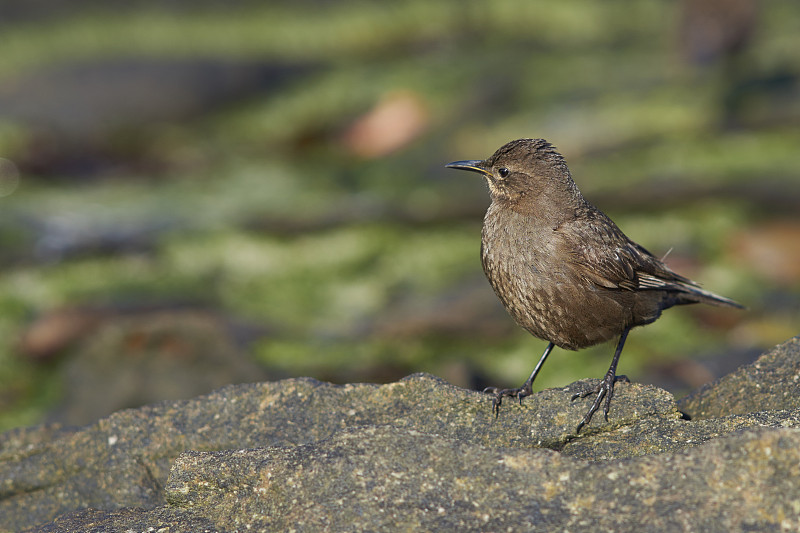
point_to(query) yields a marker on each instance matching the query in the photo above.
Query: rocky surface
(771, 381)
(421, 454)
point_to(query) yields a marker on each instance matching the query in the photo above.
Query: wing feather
(601, 253)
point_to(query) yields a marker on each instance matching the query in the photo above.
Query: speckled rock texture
(420, 454)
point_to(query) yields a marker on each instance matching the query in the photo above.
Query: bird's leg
(521, 392)
(605, 388)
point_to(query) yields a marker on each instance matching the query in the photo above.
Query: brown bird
(563, 270)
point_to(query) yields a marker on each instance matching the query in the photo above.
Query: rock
(140, 356)
(372, 479)
(57, 330)
(131, 451)
(652, 435)
(416, 454)
(771, 382)
(388, 479)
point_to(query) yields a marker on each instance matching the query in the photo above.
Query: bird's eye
(503, 172)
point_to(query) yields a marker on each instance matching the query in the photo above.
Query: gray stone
(771, 382)
(134, 358)
(418, 454)
(389, 479)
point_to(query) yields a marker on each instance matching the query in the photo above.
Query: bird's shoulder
(600, 252)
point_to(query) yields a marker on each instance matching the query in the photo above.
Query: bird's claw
(498, 395)
(605, 389)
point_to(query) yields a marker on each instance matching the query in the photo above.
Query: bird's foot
(604, 390)
(499, 394)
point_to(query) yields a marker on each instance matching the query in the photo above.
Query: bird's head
(525, 170)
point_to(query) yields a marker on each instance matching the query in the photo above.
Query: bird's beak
(473, 165)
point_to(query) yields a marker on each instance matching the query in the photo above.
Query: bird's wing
(601, 253)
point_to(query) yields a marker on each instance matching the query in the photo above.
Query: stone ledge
(420, 454)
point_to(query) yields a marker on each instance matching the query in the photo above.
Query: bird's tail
(690, 294)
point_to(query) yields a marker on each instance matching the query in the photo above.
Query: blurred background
(196, 193)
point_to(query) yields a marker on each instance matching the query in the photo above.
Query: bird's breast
(540, 288)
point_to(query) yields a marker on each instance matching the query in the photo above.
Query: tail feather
(690, 294)
(681, 290)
